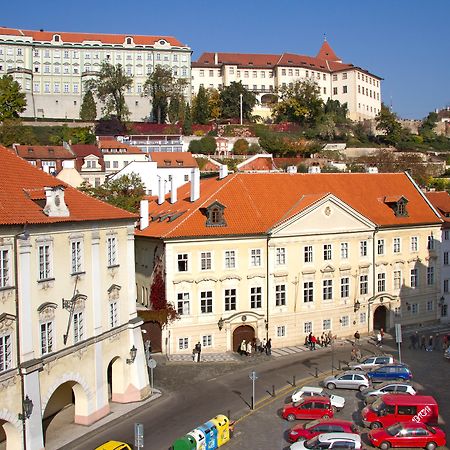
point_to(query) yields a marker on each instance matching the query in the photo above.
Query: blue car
(398, 372)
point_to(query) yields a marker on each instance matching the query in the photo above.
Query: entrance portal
(380, 318)
(240, 333)
(153, 334)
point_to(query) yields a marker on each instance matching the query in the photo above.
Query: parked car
(390, 372)
(393, 408)
(372, 362)
(308, 391)
(447, 353)
(408, 434)
(330, 440)
(114, 445)
(309, 408)
(389, 387)
(351, 379)
(308, 430)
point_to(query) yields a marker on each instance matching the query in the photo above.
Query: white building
(51, 67)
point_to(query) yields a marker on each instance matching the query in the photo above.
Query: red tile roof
(441, 201)
(43, 152)
(112, 144)
(261, 163)
(327, 53)
(22, 183)
(47, 36)
(255, 203)
(83, 150)
(173, 159)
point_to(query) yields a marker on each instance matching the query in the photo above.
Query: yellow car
(114, 445)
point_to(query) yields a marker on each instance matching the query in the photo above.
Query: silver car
(371, 362)
(351, 379)
(330, 441)
(371, 394)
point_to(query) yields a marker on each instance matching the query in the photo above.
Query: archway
(10, 438)
(240, 333)
(153, 333)
(380, 318)
(116, 380)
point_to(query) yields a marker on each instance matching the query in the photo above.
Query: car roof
(412, 424)
(340, 436)
(317, 397)
(335, 421)
(409, 400)
(385, 366)
(349, 372)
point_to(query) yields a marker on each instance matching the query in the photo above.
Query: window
(4, 268)
(327, 289)
(334, 77)
(256, 297)
(280, 295)
(344, 76)
(281, 331)
(414, 244)
(381, 285)
(205, 260)
(327, 252)
(206, 300)
(335, 91)
(446, 258)
(363, 248)
(363, 284)
(46, 338)
(78, 327)
(430, 275)
(344, 89)
(44, 262)
(5, 352)
(344, 250)
(397, 279)
(362, 317)
(430, 242)
(326, 324)
(414, 278)
(345, 287)
(344, 321)
(230, 299)
(307, 327)
(308, 291)
(446, 235)
(230, 259)
(415, 308)
(183, 304)
(112, 251)
(380, 247)
(430, 305)
(396, 245)
(182, 262)
(207, 340)
(308, 254)
(280, 256)
(76, 254)
(113, 314)
(446, 285)
(255, 257)
(183, 343)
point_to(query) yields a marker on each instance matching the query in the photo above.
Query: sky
(405, 42)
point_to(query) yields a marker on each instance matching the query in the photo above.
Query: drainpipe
(374, 247)
(267, 288)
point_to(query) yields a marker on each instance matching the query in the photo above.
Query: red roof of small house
(173, 159)
(23, 184)
(83, 150)
(441, 201)
(113, 144)
(261, 163)
(47, 152)
(255, 203)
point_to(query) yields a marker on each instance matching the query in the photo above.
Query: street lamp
(220, 324)
(133, 352)
(27, 408)
(240, 106)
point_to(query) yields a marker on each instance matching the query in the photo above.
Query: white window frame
(430, 275)
(205, 261)
(256, 297)
(363, 248)
(184, 259)
(230, 259)
(230, 299)
(78, 326)
(327, 289)
(112, 251)
(397, 281)
(281, 331)
(45, 259)
(414, 277)
(326, 324)
(327, 252)
(345, 321)
(380, 247)
(307, 327)
(363, 284)
(6, 352)
(46, 337)
(280, 259)
(308, 291)
(206, 302)
(430, 306)
(396, 245)
(113, 314)
(414, 244)
(5, 266)
(76, 256)
(381, 282)
(308, 253)
(280, 294)
(207, 340)
(362, 317)
(345, 287)
(183, 304)
(344, 250)
(183, 343)
(255, 257)
(415, 308)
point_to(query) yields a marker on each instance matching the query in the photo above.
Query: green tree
(124, 192)
(230, 101)
(214, 107)
(12, 131)
(187, 123)
(388, 123)
(88, 110)
(12, 99)
(109, 85)
(337, 111)
(240, 147)
(426, 129)
(206, 145)
(200, 111)
(300, 103)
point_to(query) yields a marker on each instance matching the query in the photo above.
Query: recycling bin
(210, 432)
(223, 429)
(199, 437)
(185, 443)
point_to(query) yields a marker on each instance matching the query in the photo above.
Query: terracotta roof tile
(173, 159)
(327, 53)
(255, 203)
(262, 163)
(43, 152)
(19, 192)
(112, 144)
(441, 201)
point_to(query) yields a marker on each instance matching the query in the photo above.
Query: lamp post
(133, 353)
(240, 106)
(220, 324)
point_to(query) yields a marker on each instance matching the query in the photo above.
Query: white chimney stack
(195, 184)
(68, 164)
(173, 191)
(161, 190)
(314, 168)
(291, 169)
(223, 171)
(216, 59)
(372, 169)
(144, 214)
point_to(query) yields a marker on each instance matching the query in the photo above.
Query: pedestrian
(324, 339)
(269, 347)
(382, 335)
(309, 340)
(243, 348)
(358, 355)
(263, 345)
(249, 348)
(306, 341)
(257, 345)
(430, 344)
(379, 339)
(436, 341)
(329, 338)
(198, 348)
(353, 354)
(194, 354)
(422, 342)
(357, 337)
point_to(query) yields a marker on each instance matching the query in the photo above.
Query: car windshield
(311, 424)
(378, 405)
(394, 429)
(297, 404)
(312, 442)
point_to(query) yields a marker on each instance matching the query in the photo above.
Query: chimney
(161, 193)
(291, 169)
(223, 171)
(195, 184)
(68, 164)
(144, 214)
(55, 205)
(372, 169)
(173, 191)
(216, 58)
(314, 168)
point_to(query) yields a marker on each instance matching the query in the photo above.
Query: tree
(230, 101)
(109, 86)
(426, 129)
(12, 100)
(206, 145)
(240, 147)
(300, 103)
(124, 192)
(88, 110)
(12, 131)
(388, 123)
(215, 110)
(200, 112)
(187, 123)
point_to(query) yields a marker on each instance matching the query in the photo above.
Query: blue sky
(406, 42)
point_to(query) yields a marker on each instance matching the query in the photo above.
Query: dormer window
(398, 204)
(162, 42)
(129, 41)
(56, 37)
(215, 215)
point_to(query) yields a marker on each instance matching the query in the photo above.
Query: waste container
(185, 443)
(223, 429)
(210, 432)
(199, 437)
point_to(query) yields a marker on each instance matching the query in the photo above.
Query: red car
(311, 429)
(408, 434)
(309, 408)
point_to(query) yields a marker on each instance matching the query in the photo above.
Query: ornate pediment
(327, 269)
(47, 311)
(6, 322)
(114, 292)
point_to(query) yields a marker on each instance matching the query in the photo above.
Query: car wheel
(362, 387)
(331, 386)
(326, 416)
(375, 425)
(430, 446)
(385, 445)
(290, 417)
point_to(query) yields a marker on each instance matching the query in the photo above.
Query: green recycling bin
(185, 443)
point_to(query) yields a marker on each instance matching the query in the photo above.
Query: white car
(371, 362)
(329, 440)
(389, 387)
(309, 391)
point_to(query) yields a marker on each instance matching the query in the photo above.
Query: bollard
(317, 372)
(293, 380)
(229, 415)
(273, 390)
(339, 364)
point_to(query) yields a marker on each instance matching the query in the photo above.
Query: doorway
(240, 333)
(380, 318)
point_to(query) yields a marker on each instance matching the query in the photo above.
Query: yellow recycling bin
(223, 429)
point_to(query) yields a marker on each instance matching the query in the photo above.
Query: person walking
(430, 344)
(313, 342)
(309, 340)
(198, 349)
(249, 348)
(263, 345)
(269, 347)
(382, 335)
(242, 348)
(357, 337)
(422, 342)
(379, 339)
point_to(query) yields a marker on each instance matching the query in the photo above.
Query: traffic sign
(253, 375)
(151, 363)
(139, 435)
(398, 333)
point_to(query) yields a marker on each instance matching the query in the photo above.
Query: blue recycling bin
(210, 432)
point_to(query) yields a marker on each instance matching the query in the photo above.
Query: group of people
(196, 352)
(255, 346)
(324, 340)
(430, 343)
